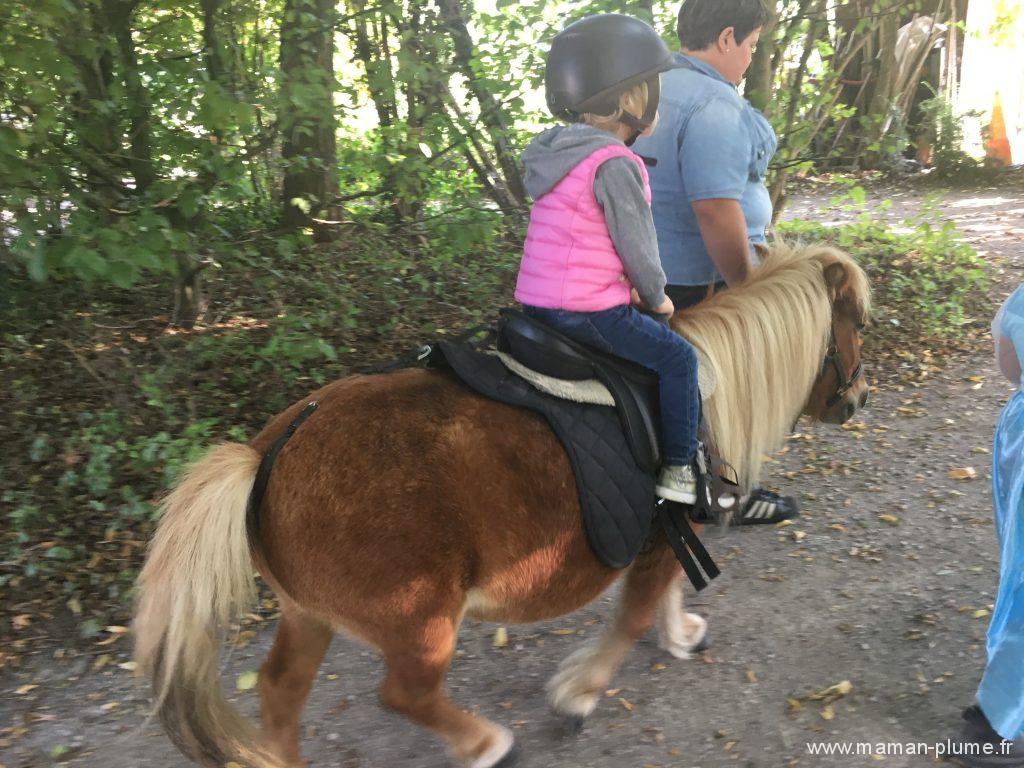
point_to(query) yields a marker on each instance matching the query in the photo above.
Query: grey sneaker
(678, 483)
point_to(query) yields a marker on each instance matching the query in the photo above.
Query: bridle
(844, 383)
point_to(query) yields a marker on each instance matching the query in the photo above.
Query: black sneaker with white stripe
(765, 508)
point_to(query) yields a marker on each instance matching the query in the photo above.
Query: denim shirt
(709, 143)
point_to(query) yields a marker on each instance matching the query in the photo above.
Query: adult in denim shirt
(710, 203)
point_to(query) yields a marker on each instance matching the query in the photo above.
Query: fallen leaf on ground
(500, 637)
(247, 681)
(827, 713)
(981, 613)
(832, 693)
(890, 519)
(626, 705)
(962, 473)
(25, 689)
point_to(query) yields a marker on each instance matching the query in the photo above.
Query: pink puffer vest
(569, 261)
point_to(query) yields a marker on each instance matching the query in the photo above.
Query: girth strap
(259, 487)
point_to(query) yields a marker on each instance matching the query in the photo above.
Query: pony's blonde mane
(765, 341)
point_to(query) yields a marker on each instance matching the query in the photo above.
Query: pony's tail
(197, 579)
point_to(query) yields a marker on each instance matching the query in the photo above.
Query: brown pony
(407, 502)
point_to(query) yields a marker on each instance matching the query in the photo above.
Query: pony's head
(841, 387)
(785, 342)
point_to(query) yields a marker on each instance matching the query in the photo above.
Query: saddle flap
(635, 403)
(633, 387)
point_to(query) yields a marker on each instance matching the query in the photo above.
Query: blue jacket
(709, 143)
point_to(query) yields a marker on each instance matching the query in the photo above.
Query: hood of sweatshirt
(554, 153)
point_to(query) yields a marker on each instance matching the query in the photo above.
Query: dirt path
(892, 604)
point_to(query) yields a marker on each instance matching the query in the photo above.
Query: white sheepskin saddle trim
(591, 390)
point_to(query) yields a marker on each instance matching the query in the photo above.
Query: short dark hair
(702, 21)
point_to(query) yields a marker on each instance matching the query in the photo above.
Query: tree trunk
(379, 79)
(119, 13)
(880, 110)
(788, 148)
(98, 143)
(490, 110)
(307, 112)
(188, 291)
(484, 170)
(761, 75)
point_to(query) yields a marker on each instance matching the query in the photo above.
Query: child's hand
(665, 308)
(635, 298)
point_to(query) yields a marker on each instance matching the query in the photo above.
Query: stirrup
(718, 495)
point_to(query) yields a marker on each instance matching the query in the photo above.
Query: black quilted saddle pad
(616, 496)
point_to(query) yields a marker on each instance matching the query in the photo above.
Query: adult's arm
(724, 229)
(714, 164)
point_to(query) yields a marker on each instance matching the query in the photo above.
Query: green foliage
(120, 153)
(945, 133)
(927, 281)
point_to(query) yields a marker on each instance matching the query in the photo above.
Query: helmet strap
(641, 124)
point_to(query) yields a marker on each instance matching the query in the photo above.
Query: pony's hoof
(501, 754)
(677, 638)
(572, 725)
(510, 759)
(703, 645)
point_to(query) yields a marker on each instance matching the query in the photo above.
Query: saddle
(633, 388)
(612, 446)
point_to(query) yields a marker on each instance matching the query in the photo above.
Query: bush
(927, 281)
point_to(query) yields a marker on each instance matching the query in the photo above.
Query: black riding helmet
(595, 60)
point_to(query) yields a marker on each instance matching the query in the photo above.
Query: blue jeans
(627, 333)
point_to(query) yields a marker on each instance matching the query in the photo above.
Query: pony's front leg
(679, 633)
(577, 686)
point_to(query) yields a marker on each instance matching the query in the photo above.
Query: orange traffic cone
(997, 144)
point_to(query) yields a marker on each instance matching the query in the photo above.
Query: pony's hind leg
(286, 678)
(679, 633)
(417, 662)
(582, 677)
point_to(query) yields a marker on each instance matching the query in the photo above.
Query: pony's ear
(763, 251)
(836, 277)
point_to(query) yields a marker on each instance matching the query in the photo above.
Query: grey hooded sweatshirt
(618, 187)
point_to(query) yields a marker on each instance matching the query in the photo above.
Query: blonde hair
(765, 341)
(633, 101)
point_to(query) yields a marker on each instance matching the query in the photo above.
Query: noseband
(844, 383)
